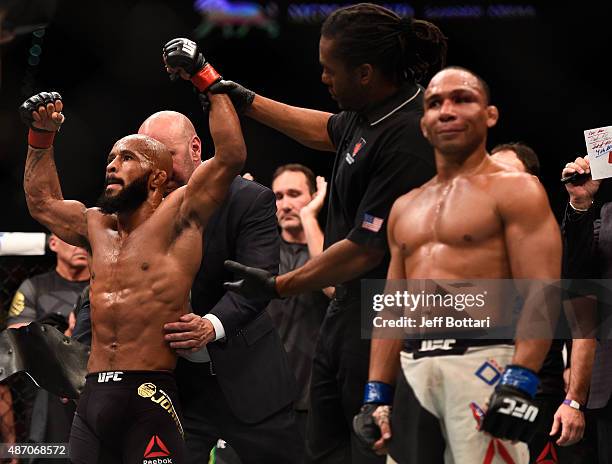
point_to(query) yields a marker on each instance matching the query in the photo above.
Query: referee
(372, 62)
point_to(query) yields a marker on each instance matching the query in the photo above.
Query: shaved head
(152, 151)
(177, 133)
(167, 123)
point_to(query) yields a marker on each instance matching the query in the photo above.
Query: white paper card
(599, 148)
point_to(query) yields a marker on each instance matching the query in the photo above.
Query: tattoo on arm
(35, 156)
(41, 171)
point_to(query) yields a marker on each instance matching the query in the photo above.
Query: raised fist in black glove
(372, 424)
(253, 283)
(512, 414)
(42, 113)
(183, 58)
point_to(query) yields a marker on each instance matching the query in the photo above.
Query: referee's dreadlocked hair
(402, 48)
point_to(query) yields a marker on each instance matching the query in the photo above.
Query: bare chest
(455, 215)
(143, 255)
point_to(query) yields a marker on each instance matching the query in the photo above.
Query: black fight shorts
(129, 417)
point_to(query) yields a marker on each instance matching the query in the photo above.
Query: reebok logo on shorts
(548, 455)
(156, 449)
(108, 376)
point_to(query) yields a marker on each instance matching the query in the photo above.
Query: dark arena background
(544, 61)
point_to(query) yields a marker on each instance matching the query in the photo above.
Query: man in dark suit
(233, 377)
(587, 234)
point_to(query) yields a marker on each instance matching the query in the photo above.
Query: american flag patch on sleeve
(372, 223)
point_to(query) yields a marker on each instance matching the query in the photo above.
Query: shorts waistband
(446, 347)
(128, 378)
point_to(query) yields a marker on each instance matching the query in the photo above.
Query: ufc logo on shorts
(431, 345)
(106, 376)
(522, 411)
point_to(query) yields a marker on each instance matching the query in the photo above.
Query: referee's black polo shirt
(381, 154)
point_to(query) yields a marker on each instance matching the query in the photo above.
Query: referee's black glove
(253, 283)
(240, 96)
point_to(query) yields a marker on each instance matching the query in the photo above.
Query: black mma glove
(184, 53)
(254, 283)
(240, 96)
(512, 413)
(376, 394)
(37, 137)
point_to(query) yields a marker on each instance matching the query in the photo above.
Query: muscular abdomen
(131, 300)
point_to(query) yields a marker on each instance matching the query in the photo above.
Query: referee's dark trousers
(339, 373)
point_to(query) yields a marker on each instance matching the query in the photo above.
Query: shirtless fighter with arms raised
(143, 254)
(473, 220)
